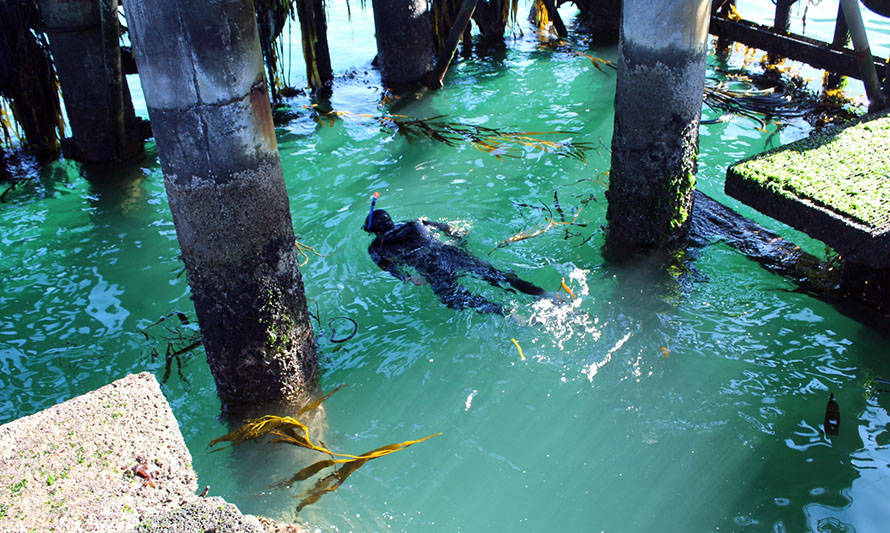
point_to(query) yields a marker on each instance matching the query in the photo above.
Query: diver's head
(378, 222)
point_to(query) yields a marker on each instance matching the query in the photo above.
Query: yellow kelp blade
(278, 425)
(383, 450)
(256, 428)
(304, 474)
(301, 441)
(314, 404)
(332, 481)
(329, 483)
(518, 348)
(523, 236)
(566, 288)
(287, 429)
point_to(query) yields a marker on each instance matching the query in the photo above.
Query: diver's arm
(444, 228)
(388, 265)
(391, 267)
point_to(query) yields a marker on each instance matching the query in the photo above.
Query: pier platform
(833, 185)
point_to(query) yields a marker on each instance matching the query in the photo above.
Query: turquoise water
(685, 401)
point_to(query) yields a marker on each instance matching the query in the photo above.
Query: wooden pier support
(797, 47)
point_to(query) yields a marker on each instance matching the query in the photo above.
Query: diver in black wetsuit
(414, 244)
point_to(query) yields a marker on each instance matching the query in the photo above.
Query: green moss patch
(846, 171)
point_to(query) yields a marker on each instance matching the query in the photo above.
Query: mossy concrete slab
(71, 467)
(203, 514)
(833, 185)
(111, 460)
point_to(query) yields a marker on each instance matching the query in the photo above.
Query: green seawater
(690, 400)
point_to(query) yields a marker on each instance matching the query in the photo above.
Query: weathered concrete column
(603, 18)
(404, 40)
(202, 75)
(781, 23)
(84, 41)
(658, 99)
(723, 8)
(491, 19)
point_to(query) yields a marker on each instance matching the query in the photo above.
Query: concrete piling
(404, 40)
(202, 75)
(661, 75)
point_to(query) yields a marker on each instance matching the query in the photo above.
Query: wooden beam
(433, 79)
(797, 47)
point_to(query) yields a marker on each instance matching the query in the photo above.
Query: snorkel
(370, 222)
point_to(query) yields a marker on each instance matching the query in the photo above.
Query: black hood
(380, 222)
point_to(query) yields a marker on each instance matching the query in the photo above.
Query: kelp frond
(598, 63)
(302, 249)
(772, 94)
(290, 430)
(751, 103)
(332, 481)
(272, 16)
(497, 142)
(542, 17)
(181, 339)
(551, 222)
(316, 403)
(284, 428)
(444, 15)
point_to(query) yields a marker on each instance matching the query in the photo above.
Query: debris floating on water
(566, 288)
(518, 349)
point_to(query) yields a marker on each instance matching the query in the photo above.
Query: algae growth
(844, 170)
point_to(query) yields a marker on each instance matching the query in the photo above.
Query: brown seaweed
(290, 430)
(497, 142)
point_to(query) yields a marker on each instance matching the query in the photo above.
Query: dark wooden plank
(797, 47)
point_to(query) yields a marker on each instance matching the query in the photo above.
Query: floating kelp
(757, 96)
(332, 481)
(303, 248)
(566, 288)
(551, 221)
(751, 102)
(333, 335)
(775, 93)
(291, 430)
(497, 142)
(598, 63)
(180, 339)
(518, 349)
